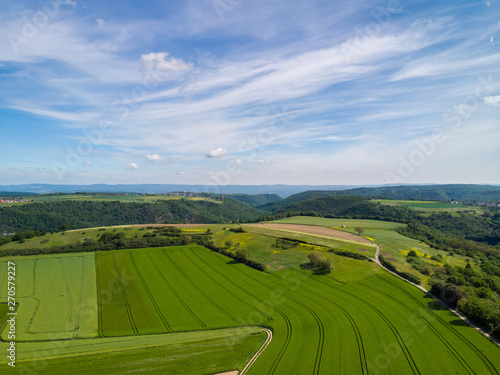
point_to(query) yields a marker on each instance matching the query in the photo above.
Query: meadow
(374, 323)
(431, 206)
(393, 245)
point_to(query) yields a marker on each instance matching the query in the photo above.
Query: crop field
(431, 206)
(371, 324)
(56, 297)
(375, 324)
(201, 352)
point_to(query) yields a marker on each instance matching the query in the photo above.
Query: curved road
(437, 299)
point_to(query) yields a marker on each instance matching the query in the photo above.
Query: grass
(321, 324)
(350, 224)
(56, 296)
(392, 244)
(213, 351)
(431, 206)
(314, 315)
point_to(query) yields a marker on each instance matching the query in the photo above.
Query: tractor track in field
(99, 299)
(438, 335)
(157, 308)
(125, 299)
(483, 358)
(193, 315)
(453, 311)
(402, 345)
(357, 333)
(201, 291)
(225, 289)
(289, 328)
(321, 328)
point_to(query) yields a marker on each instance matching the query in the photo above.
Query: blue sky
(250, 92)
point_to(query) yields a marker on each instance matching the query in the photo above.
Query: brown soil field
(311, 229)
(169, 225)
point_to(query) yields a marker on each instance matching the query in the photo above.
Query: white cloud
(492, 39)
(492, 100)
(155, 157)
(132, 166)
(155, 65)
(216, 153)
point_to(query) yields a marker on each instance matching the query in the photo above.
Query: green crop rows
(320, 326)
(170, 310)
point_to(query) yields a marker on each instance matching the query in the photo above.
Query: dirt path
(167, 225)
(259, 352)
(311, 229)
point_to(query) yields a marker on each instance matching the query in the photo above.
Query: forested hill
(50, 216)
(255, 200)
(469, 193)
(346, 206)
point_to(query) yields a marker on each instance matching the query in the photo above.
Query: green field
(56, 297)
(393, 245)
(431, 206)
(373, 324)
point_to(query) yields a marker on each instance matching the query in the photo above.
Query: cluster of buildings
(482, 204)
(13, 200)
(7, 234)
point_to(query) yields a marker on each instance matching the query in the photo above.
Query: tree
(412, 253)
(242, 254)
(315, 258)
(326, 264)
(186, 240)
(360, 230)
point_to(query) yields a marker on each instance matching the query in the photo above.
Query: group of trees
(320, 262)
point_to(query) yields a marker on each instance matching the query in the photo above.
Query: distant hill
(480, 193)
(281, 190)
(431, 192)
(49, 216)
(347, 206)
(256, 199)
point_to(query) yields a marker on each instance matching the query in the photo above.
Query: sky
(218, 92)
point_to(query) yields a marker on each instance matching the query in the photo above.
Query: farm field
(372, 323)
(308, 314)
(393, 245)
(56, 297)
(212, 350)
(431, 206)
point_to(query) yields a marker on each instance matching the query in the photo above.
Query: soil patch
(169, 225)
(311, 229)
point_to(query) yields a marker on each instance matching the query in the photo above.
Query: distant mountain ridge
(281, 190)
(455, 192)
